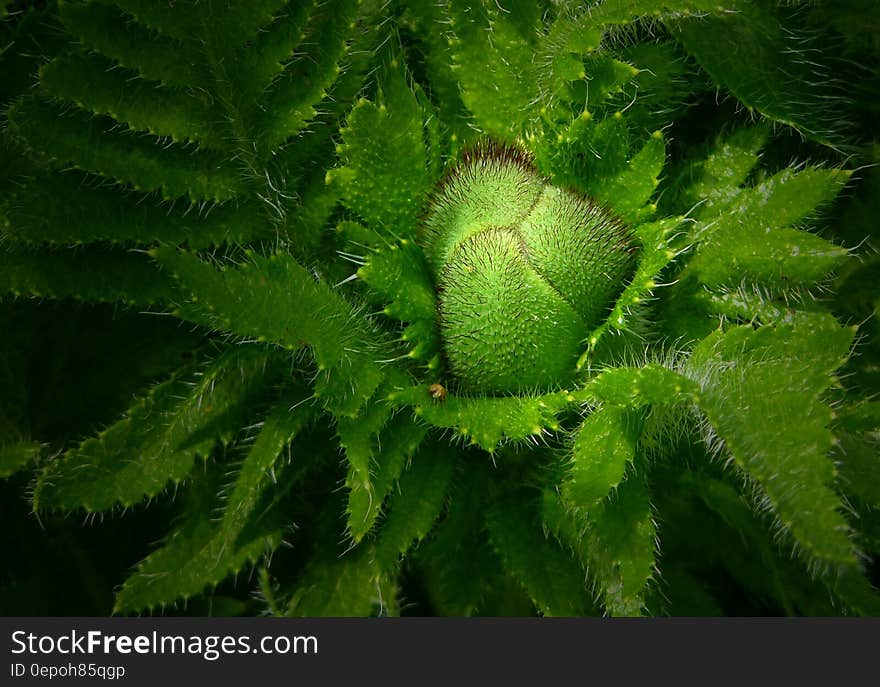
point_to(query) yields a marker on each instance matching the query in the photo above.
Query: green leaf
(359, 236)
(93, 143)
(651, 384)
(156, 444)
(202, 553)
(584, 153)
(762, 393)
(351, 585)
(193, 557)
(492, 45)
(180, 20)
(288, 418)
(559, 55)
(656, 240)
(745, 303)
(70, 208)
(487, 421)
(359, 436)
(605, 76)
(416, 504)
(629, 191)
(305, 227)
(189, 562)
(571, 70)
(231, 24)
(615, 542)
(463, 575)
(856, 591)
(857, 427)
(713, 183)
(782, 200)
(762, 573)
(263, 60)
(384, 177)
(622, 543)
(752, 240)
(604, 446)
(753, 262)
(784, 258)
(16, 455)
(612, 12)
(401, 277)
(290, 309)
(155, 56)
(290, 103)
(664, 87)
(770, 64)
(551, 577)
(103, 275)
(394, 445)
(94, 85)
(29, 35)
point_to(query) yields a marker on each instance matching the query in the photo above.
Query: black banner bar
(230, 651)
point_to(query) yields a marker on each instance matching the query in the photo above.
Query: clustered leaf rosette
(524, 270)
(580, 372)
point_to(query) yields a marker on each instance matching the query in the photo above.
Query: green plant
(523, 271)
(455, 308)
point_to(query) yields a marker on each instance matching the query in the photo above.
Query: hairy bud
(525, 271)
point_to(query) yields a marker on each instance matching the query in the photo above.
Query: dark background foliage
(69, 368)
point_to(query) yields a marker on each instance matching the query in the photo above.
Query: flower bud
(525, 271)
